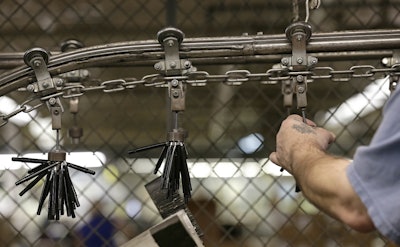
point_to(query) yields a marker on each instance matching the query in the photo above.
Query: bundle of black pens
(175, 155)
(57, 186)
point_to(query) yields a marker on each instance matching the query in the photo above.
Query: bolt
(187, 64)
(59, 82)
(30, 88)
(37, 63)
(301, 89)
(299, 60)
(52, 101)
(45, 85)
(314, 61)
(300, 78)
(157, 66)
(175, 94)
(172, 64)
(285, 61)
(171, 43)
(299, 37)
(85, 73)
(174, 83)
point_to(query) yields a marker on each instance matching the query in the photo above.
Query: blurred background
(239, 198)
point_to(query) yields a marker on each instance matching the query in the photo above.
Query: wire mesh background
(238, 201)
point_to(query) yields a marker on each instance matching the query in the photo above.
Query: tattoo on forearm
(303, 129)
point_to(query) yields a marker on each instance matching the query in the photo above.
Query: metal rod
(145, 148)
(82, 169)
(33, 183)
(29, 160)
(32, 175)
(160, 159)
(45, 192)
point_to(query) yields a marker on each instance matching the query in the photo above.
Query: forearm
(324, 182)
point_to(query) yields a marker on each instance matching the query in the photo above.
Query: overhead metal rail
(345, 45)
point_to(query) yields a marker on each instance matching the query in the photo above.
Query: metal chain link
(201, 78)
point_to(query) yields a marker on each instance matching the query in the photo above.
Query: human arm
(301, 150)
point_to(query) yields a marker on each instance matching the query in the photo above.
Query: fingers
(327, 136)
(273, 158)
(300, 119)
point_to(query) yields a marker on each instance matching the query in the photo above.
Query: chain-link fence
(234, 103)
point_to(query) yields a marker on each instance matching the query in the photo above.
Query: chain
(202, 78)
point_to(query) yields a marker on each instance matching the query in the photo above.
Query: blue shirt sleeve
(375, 172)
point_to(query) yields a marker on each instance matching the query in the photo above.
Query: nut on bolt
(30, 88)
(158, 66)
(285, 61)
(52, 101)
(300, 78)
(174, 83)
(299, 60)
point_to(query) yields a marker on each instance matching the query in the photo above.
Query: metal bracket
(37, 59)
(56, 110)
(177, 91)
(287, 92)
(171, 38)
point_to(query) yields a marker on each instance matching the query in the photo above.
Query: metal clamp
(390, 62)
(299, 34)
(171, 38)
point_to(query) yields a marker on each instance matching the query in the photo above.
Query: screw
(299, 37)
(45, 85)
(285, 61)
(56, 112)
(299, 60)
(171, 43)
(172, 64)
(174, 83)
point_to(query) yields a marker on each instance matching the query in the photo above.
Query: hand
(297, 141)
